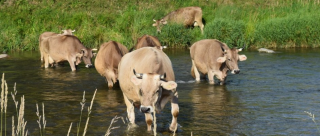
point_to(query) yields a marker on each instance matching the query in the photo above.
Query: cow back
(109, 56)
(147, 41)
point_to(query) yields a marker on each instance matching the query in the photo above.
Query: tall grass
(257, 22)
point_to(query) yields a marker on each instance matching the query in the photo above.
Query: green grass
(256, 23)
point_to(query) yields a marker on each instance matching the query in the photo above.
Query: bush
(228, 31)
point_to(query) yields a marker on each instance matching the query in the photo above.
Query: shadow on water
(268, 97)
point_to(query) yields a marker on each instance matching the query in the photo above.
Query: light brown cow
(188, 16)
(66, 48)
(147, 41)
(46, 35)
(107, 60)
(151, 84)
(214, 58)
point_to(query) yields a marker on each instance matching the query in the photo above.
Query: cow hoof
(198, 79)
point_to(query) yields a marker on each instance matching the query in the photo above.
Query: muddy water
(268, 97)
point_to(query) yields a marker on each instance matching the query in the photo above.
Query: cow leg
(46, 60)
(149, 120)
(110, 83)
(211, 77)
(174, 112)
(195, 70)
(130, 110)
(72, 65)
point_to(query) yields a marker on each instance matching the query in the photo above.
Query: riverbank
(254, 23)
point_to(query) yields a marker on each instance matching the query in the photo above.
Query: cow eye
(229, 59)
(140, 92)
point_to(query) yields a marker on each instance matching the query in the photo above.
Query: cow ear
(135, 80)
(221, 59)
(164, 22)
(170, 85)
(80, 55)
(242, 57)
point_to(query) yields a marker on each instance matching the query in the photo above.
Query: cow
(46, 35)
(107, 60)
(66, 48)
(188, 16)
(147, 41)
(147, 81)
(214, 58)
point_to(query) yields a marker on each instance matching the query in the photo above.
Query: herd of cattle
(144, 72)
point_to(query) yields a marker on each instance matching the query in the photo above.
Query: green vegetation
(255, 23)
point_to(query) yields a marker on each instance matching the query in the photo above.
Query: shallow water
(268, 97)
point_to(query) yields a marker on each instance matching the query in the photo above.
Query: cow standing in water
(214, 58)
(147, 80)
(147, 41)
(66, 48)
(46, 35)
(107, 60)
(188, 16)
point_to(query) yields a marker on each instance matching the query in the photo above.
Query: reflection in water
(216, 105)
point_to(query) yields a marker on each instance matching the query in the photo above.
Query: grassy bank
(255, 23)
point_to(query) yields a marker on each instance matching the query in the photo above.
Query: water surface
(268, 97)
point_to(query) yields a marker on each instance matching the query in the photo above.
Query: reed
(313, 119)
(114, 120)
(42, 126)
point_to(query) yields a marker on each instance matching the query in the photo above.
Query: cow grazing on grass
(147, 81)
(147, 41)
(107, 60)
(188, 16)
(66, 48)
(46, 35)
(214, 58)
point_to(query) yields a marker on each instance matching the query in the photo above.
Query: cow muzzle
(236, 71)
(88, 65)
(146, 109)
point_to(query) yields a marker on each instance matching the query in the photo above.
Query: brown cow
(212, 57)
(151, 86)
(107, 60)
(147, 41)
(46, 35)
(188, 16)
(66, 48)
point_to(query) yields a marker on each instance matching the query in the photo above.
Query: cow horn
(223, 49)
(154, 20)
(162, 77)
(94, 49)
(137, 75)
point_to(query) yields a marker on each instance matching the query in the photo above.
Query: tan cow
(214, 58)
(188, 16)
(146, 78)
(46, 35)
(107, 60)
(66, 48)
(147, 41)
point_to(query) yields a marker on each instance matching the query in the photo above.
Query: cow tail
(116, 45)
(192, 72)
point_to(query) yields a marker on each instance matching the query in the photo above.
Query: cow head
(159, 24)
(68, 32)
(150, 89)
(85, 55)
(231, 58)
